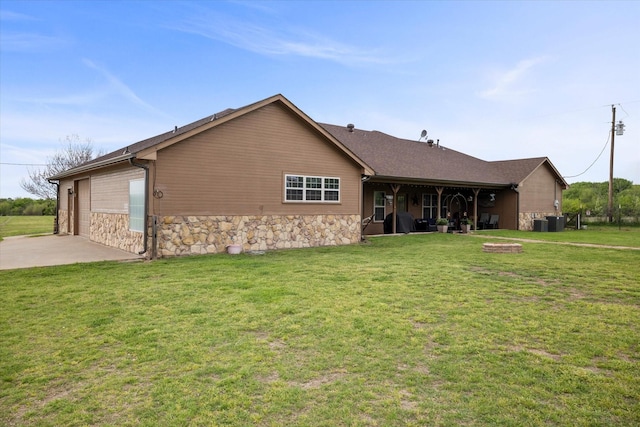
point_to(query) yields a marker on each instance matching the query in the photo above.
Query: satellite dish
(423, 133)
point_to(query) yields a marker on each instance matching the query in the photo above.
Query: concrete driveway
(26, 252)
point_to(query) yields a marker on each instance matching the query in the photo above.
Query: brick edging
(502, 248)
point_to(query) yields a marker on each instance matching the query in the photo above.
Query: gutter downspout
(56, 220)
(146, 203)
(363, 179)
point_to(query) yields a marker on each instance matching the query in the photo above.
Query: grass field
(596, 234)
(407, 330)
(23, 225)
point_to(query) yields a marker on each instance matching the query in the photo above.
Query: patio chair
(426, 224)
(483, 221)
(493, 221)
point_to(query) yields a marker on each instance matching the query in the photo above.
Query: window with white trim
(429, 205)
(301, 188)
(136, 205)
(379, 201)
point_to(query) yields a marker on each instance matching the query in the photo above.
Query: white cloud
(93, 97)
(80, 99)
(121, 88)
(510, 84)
(26, 41)
(281, 41)
(22, 42)
(7, 15)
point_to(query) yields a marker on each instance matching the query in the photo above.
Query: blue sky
(495, 80)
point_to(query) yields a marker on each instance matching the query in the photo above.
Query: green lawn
(405, 330)
(599, 235)
(22, 225)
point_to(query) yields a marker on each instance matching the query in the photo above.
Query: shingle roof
(388, 156)
(155, 140)
(517, 170)
(406, 159)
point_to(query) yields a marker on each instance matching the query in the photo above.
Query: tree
(26, 206)
(593, 197)
(75, 152)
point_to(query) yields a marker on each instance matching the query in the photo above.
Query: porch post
(395, 188)
(439, 190)
(476, 191)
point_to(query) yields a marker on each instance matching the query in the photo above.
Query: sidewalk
(27, 251)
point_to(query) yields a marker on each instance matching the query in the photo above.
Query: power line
(577, 110)
(625, 111)
(23, 164)
(609, 135)
(594, 162)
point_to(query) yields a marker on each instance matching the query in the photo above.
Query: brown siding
(508, 214)
(537, 192)
(375, 227)
(506, 202)
(238, 168)
(110, 190)
(84, 207)
(411, 192)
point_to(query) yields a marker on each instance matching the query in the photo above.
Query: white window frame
(311, 189)
(137, 194)
(432, 206)
(382, 206)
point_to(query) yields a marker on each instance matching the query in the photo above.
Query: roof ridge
(381, 154)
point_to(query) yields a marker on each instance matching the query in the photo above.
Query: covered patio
(390, 204)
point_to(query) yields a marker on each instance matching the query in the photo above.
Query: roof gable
(147, 149)
(517, 171)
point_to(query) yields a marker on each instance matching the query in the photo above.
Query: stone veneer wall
(63, 217)
(526, 219)
(112, 229)
(186, 235)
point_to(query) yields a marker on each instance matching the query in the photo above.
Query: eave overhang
(436, 183)
(91, 166)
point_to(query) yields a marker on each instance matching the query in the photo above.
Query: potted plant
(234, 248)
(465, 225)
(442, 224)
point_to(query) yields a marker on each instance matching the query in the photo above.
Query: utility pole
(613, 134)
